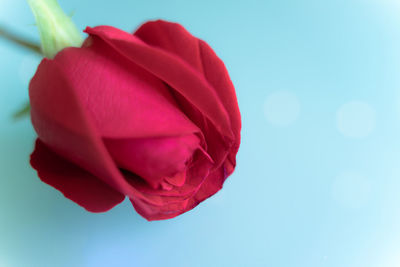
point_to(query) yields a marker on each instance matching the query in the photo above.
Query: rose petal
(153, 159)
(172, 70)
(153, 213)
(65, 127)
(177, 179)
(123, 99)
(189, 195)
(174, 38)
(210, 186)
(195, 176)
(74, 182)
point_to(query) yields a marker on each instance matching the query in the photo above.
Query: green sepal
(56, 29)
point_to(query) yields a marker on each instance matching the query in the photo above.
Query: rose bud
(151, 115)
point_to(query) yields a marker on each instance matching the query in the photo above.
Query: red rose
(152, 116)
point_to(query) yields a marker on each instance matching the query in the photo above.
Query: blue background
(318, 175)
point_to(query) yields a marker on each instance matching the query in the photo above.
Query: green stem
(19, 40)
(22, 112)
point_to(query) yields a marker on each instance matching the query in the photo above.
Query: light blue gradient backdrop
(318, 171)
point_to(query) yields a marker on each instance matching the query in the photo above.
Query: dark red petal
(217, 75)
(65, 127)
(74, 182)
(211, 185)
(153, 159)
(167, 211)
(197, 171)
(178, 179)
(123, 99)
(171, 69)
(208, 186)
(174, 38)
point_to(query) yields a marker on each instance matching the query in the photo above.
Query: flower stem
(19, 40)
(22, 112)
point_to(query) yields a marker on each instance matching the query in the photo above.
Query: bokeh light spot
(356, 119)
